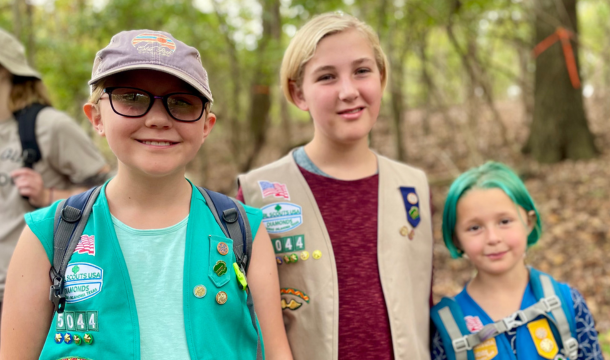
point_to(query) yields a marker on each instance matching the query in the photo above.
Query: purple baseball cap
(153, 50)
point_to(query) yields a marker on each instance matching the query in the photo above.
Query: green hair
(491, 175)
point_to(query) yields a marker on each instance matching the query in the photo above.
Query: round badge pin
(541, 334)
(294, 258)
(305, 255)
(221, 297)
(68, 338)
(412, 198)
(199, 291)
(88, 338)
(77, 340)
(317, 254)
(59, 338)
(279, 260)
(223, 248)
(404, 231)
(287, 259)
(547, 345)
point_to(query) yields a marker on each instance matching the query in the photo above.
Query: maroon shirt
(349, 211)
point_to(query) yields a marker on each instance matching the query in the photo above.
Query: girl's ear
(95, 117)
(531, 221)
(297, 95)
(208, 125)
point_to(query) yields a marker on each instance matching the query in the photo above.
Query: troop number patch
(77, 321)
(289, 244)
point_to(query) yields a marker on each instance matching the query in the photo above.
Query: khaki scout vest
(309, 287)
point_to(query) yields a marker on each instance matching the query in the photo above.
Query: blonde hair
(303, 46)
(27, 91)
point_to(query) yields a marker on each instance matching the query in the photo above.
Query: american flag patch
(473, 323)
(86, 245)
(269, 188)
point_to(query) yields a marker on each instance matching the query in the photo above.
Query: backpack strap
(232, 219)
(70, 220)
(449, 321)
(545, 287)
(231, 216)
(26, 118)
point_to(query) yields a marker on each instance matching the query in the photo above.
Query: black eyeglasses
(134, 102)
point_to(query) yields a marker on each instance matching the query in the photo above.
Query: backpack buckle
(551, 303)
(517, 319)
(57, 298)
(570, 348)
(461, 344)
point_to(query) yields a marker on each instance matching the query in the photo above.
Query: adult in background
(69, 161)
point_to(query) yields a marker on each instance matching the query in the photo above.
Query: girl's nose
(493, 236)
(348, 91)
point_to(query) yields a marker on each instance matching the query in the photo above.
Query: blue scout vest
(546, 331)
(100, 313)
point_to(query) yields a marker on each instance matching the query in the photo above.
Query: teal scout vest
(100, 312)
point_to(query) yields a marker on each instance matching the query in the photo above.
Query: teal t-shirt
(155, 260)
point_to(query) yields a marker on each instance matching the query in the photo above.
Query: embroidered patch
(154, 44)
(292, 305)
(289, 243)
(274, 189)
(543, 338)
(77, 321)
(282, 217)
(486, 350)
(295, 292)
(73, 358)
(473, 323)
(82, 281)
(86, 245)
(411, 201)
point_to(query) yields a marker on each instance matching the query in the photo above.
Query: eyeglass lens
(134, 103)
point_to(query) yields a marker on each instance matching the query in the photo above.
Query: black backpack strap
(70, 220)
(26, 118)
(232, 219)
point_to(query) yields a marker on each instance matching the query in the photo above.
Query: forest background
(468, 84)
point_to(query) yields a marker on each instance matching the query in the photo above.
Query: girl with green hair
(508, 310)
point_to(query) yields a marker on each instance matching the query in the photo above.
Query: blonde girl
(351, 229)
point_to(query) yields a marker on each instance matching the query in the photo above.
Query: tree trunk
(559, 129)
(260, 100)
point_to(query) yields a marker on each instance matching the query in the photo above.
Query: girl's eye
(474, 228)
(325, 77)
(505, 221)
(363, 71)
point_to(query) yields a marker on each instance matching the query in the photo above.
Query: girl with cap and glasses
(351, 229)
(63, 162)
(507, 311)
(151, 277)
